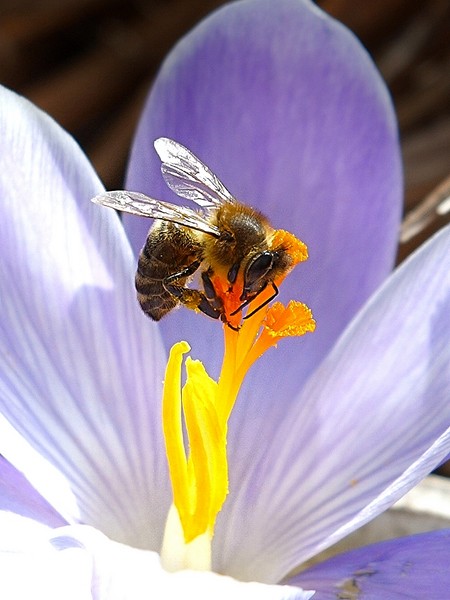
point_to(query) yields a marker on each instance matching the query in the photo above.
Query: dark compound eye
(258, 268)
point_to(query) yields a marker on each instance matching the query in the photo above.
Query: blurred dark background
(89, 63)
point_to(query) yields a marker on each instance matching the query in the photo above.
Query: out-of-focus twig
(428, 216)
(435, 205)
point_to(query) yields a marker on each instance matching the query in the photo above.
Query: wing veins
(189, 177)
(141, 205)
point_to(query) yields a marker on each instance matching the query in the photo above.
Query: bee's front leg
(210, 292)
(214, 300)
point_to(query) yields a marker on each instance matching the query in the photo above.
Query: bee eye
(257, 269)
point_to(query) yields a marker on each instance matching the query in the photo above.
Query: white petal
(89, 565)
(30, 567)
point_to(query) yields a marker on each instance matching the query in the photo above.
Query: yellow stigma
(199, 480)
(199, 475)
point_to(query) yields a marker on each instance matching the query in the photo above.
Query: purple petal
(371, 422)
(284, 104)
(409, 567)
(19, 497)
(80, 368)
(287, 108)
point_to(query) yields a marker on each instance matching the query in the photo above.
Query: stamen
(200, 476)
(292, 320)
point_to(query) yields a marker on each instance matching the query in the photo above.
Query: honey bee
(225, 239)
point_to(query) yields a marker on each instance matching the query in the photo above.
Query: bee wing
(188, 177)
(141, 205)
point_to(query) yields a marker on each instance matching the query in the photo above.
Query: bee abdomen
(168, 250)
(154, 300)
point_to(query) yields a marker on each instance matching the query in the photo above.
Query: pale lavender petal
(80, 368)
(19, 497)
(287, 108)
(409, 567)
(371, 422)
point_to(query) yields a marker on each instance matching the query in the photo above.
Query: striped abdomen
(169, 249)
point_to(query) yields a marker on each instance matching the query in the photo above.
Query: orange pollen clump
(297, 249)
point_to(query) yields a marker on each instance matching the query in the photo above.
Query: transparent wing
(143, 206)
(188, 177)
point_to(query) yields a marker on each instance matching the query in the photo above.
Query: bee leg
(191, 298)
(210, 293)
(186, 272)
(274, 295)
(213, 299)
(206, 307)
(247, 302)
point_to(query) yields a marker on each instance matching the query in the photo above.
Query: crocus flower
(327, 431)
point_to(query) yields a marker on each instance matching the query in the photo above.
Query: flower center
(199, 476)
